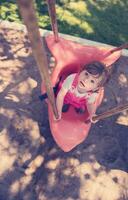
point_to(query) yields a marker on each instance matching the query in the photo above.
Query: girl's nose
(86, 79)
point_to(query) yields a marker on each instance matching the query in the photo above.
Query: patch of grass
(103, 21)
(9, 11)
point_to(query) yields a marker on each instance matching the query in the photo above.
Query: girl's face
(87, 82)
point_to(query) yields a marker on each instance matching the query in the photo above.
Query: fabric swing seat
(72, 130)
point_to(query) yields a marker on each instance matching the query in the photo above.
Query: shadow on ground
(98, 20)
(32, 165)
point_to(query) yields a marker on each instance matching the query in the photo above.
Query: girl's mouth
(81, 83)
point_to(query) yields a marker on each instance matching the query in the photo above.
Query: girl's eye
(92, 81)
(86, 73)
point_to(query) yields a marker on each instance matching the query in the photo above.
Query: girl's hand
(90, 120)
(57, 119)
(93, 121)
(52, 63)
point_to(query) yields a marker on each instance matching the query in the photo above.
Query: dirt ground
(32, 166)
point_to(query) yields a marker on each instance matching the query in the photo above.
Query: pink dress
(72, 99)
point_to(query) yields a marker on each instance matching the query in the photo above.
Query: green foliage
(103, 21)
(9, 11)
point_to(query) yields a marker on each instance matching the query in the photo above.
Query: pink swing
(72, 130)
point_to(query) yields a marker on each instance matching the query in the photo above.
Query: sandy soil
(32, 167)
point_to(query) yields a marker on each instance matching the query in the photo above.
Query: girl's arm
(60, 101)
(91, 109)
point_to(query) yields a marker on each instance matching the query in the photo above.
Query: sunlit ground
(103, 21)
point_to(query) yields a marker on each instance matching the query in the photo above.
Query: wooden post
(27, 11)
(52, 14)
(111, 112)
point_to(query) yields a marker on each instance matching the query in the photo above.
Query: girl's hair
(97, 69)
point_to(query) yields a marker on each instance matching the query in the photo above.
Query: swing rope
(111, 112)
(124, 46)
(27, 11)
(52, 14)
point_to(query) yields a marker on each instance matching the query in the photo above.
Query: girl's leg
(80, 110)
(65, 107)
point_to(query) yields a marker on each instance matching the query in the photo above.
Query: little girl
(80, 90)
